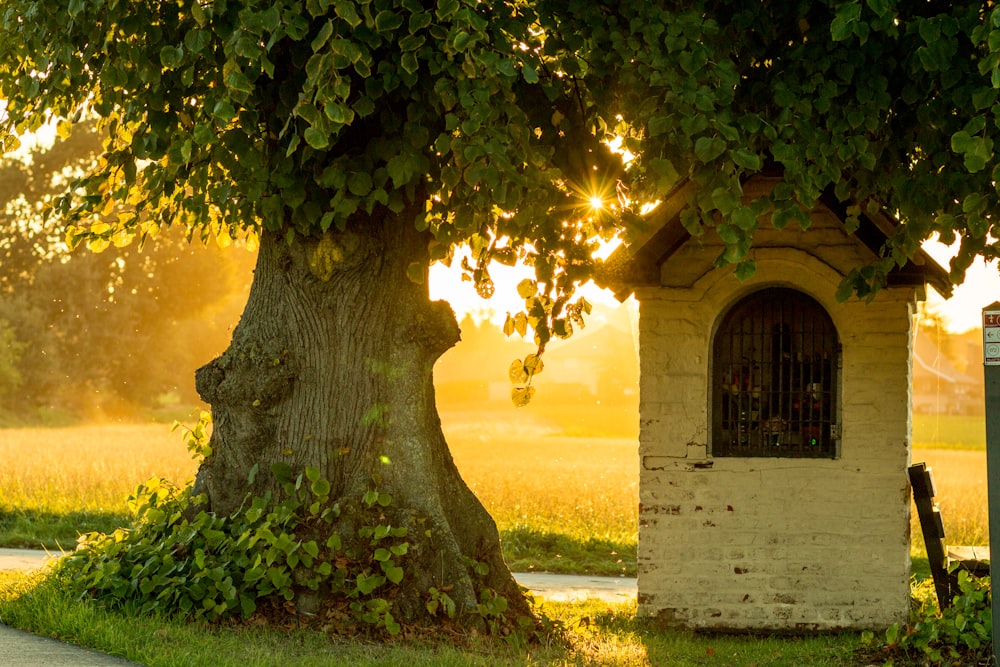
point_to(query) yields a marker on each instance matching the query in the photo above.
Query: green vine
(959, 634)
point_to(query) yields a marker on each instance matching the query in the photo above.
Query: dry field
(960, 481)
(86, 467)
(527, 478)
(578, 486)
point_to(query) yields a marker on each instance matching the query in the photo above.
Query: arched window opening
(775, 389)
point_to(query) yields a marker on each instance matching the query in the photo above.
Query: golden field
(527, 477)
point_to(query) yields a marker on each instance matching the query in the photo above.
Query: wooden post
(991, 376)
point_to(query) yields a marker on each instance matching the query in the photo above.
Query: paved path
(22, 649)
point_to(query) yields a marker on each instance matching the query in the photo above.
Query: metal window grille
(775, 378)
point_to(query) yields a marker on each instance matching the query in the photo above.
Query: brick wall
(759, 543)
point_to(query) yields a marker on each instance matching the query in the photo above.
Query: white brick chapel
(774, 425)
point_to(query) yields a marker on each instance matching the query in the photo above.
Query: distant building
(939, 388)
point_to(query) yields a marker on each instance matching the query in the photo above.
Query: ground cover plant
(957, 635)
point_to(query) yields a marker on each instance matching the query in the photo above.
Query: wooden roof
(638, 264)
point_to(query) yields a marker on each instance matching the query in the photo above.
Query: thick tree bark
(331, 367)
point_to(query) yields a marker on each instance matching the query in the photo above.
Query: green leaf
(419, 21)
(368, 583)
(842, 25)
(76, 6)
(517, 372)
(533, 365)
(171, 56)
(316, 138)
(359, 183)
(961, 142)
(729, 234)
(461, 40)
(725, 200)
(224, 110)
(382, 554)
(745, 270)
(282, 471)
(411, 42)
(239, 82)
(709, 148)
(321, 38)
(387, 21)
(747, 159)
(197, 40)
(203, 134)
(744, 218)
(402, 169)
(345, 10)
(529, 73)
(446, 9)
(880, 7)
(521, 396)
(393, 574)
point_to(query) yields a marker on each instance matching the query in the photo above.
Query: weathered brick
(773, 543)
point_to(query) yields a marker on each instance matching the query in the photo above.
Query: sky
(961, 312)
(964, 310)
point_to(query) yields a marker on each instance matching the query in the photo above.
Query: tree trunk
(331, 367)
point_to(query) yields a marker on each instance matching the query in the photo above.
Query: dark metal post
(991, 376)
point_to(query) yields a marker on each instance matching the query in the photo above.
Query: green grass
(598, 633)
(529, 549)
(28, 528)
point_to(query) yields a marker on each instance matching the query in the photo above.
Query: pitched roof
(638, 264)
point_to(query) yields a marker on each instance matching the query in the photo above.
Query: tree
(104, 329)
(361, 140)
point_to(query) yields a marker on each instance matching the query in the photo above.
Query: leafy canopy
(491, 120)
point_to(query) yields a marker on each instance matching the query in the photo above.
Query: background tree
(362, 139)
(100, 335)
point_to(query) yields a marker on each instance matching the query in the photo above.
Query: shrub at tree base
(272, 558)
(958, 635)
(265, 561)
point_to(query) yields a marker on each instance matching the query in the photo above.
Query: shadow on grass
(527, 549)
(34, 529)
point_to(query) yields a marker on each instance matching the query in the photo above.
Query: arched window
(775, 378)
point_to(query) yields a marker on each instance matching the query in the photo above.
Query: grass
(598, 633)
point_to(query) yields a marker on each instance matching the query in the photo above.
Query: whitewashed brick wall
(762, 543)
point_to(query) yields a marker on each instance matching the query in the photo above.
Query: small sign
(991, 336)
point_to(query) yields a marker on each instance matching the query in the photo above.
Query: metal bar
(991, 377)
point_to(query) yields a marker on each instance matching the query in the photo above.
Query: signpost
(991, 376)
